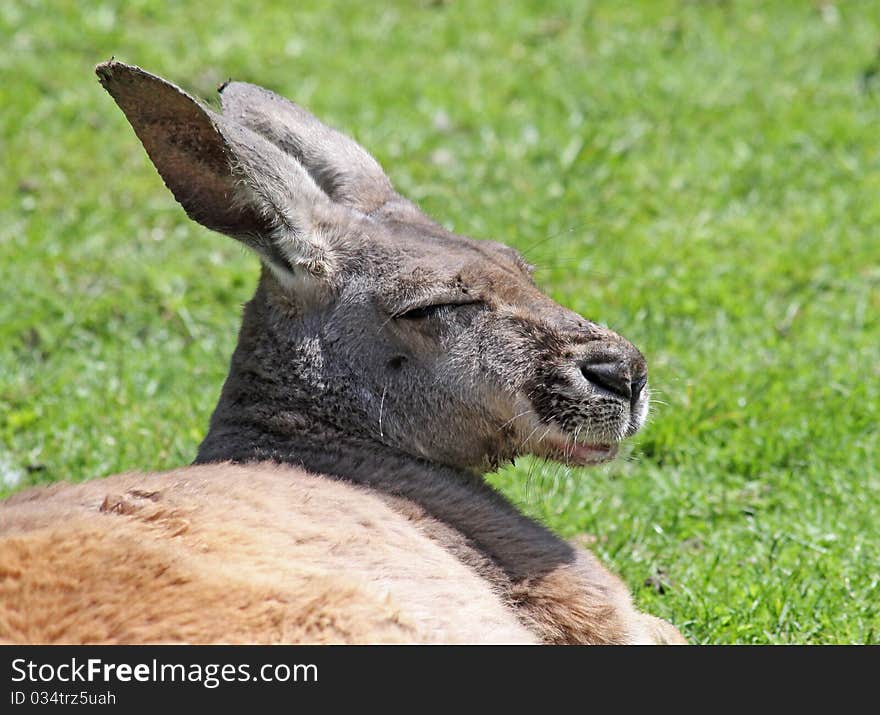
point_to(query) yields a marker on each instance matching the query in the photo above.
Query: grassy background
(702, 176)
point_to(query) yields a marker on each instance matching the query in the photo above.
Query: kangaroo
(383, 366)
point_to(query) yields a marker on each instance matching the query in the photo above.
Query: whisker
(564, 263)
(523, 443)
(381, 409)
(521, 414)
(541, 242)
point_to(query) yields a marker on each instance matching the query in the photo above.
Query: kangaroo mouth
(560, 446)
(580, 444)
(580, 454)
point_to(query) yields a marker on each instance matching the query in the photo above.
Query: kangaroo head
(372, 323)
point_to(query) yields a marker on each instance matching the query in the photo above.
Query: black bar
(244, 676)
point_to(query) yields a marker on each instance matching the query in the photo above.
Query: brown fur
(383, 365)
(243, 554)
(231, 554)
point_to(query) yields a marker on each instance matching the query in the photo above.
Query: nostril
(611, 376)
(638, 385)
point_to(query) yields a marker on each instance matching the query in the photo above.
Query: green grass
(702, 176)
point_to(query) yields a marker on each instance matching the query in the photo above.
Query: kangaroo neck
(518, 546)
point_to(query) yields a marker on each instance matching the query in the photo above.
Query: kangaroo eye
(422, 312)
(428, 311)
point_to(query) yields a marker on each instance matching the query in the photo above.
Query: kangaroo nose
(611, 376)
(616, 377)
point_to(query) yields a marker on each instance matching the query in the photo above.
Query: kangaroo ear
(338, 164)
(225, 176)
